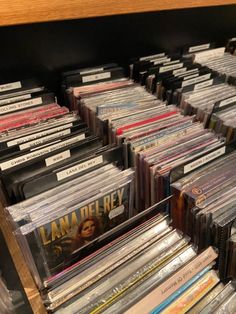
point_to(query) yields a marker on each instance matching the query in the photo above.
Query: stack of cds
(36, 135)
(53, 226)
(87, 224)
(224, 121)
(205, 102)
(219, 61)
(74, 189)
(196, 88)
(214, 105)
(192, 296)
(203, 206)
(168, 77)
(85, 76)
(220, 300)
(99, 103)
(156, 138)
(147, 259)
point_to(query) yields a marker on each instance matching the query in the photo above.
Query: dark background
(44, 49)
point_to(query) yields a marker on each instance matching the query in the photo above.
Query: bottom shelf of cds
(149, 268)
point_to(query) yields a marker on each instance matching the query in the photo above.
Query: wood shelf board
(25, 11)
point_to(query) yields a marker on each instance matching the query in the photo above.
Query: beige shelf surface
(30, 11)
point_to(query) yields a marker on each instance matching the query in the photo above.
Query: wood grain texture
(27, 281)
(30, 11)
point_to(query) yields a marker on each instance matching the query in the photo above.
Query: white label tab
(10, 86)
(116, 211)
(203, 84)
(199, 47)
(56, 158)
(186, 73)
(180, 71)
(14, 99)
(34, 136)
(170, 67)
(227, 101)
(190, 76)
(159, 55)
(45, 145)
(44, 139)
(161, 60)
(21, 105)
(79, 168)
(209, 54)
(96, 77)
(196, 80)
(88, 71)
(203, 160)
(172, 62)
(174, 283)
(39, 152)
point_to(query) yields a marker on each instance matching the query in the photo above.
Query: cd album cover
(60, 238)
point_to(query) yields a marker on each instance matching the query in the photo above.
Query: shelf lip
(17, 12)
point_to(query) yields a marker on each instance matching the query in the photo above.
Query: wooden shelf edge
(26, 278)
(26, 11)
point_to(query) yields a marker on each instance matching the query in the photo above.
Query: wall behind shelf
(45, 49)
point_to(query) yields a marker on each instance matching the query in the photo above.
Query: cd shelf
(23, 12)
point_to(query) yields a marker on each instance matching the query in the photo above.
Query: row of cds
(63, 174)
(117, 109)
(72, 189)
(203, 201)
(203, 206)
(196, 88)
(220, 62)
(155, 266)
(151, 269)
